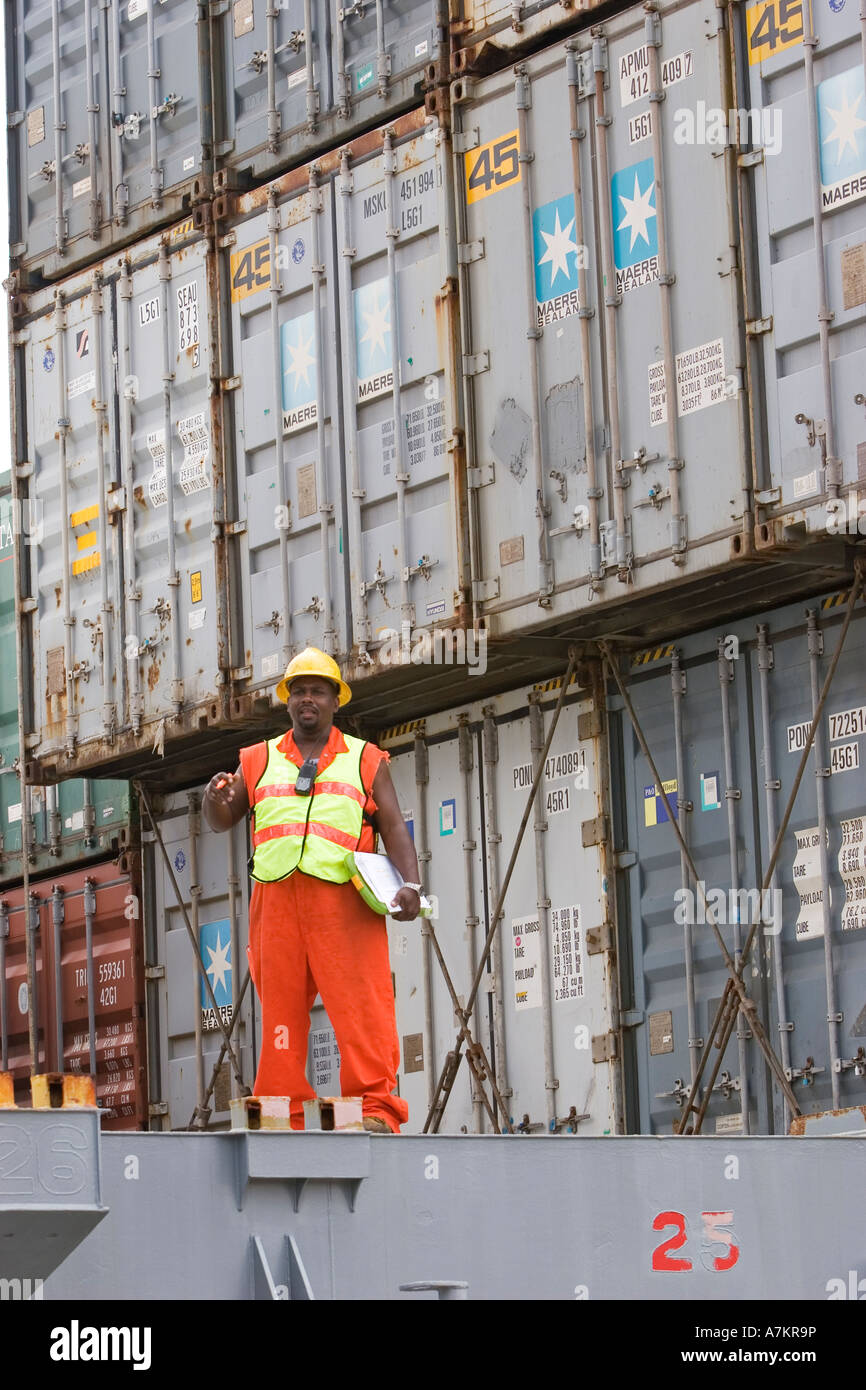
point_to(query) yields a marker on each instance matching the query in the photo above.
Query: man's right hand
(225, 800)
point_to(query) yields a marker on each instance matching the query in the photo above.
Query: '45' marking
(493, 166)
(773, 25)
(714, 1234)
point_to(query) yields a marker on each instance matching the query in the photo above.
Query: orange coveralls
(308, 936)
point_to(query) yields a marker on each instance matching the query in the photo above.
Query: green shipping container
(73, 822)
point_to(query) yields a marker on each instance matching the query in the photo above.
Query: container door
(557, 1053)
(398, 329)
(683, 697)
(377, 48)
(437, 782)
(210, 870)
(178, 617)
(77, 637)
(278, 82)
(286, 446)
(809, 191)
(820, 1009)
(61, 186)
(156, 108)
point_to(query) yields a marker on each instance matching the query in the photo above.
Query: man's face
(312, 704)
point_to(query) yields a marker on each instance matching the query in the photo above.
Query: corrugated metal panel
(109, 896)
(492, 31)
(806, 113)
(607, 226)
(109, 135)
(347, 405)
(132, 618)
(307, 76)
(211, 874)
(742, 699)
(545, 1009)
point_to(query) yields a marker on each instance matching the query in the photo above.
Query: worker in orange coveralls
(316, 795)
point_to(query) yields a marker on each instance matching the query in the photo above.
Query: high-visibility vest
(313, 833)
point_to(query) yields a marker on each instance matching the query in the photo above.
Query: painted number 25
(714, 1235)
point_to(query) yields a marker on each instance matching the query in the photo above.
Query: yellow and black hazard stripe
(86, 542)
(652, 654)
(541, 687)
(182, 229)
(835, 600)
(414, 726)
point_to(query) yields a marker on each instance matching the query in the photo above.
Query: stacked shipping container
(569, 351)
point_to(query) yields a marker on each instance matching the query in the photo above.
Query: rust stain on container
(153, 675)
(7, 1091)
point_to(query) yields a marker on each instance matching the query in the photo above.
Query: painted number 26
(715, 1234)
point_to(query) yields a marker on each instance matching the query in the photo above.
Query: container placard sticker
(157, 488)
(844, 757)
(842, 137)
(700, 378)
(447, 816)
(797, 736)
(14, 813)
(558, 258)
(526, 958)
(635, 234)
(567, 952)
(298, 359)
(195, 437)
(82, 343)
(424, 432)
(149, 311)
(852, 871)
(215, 940)
(75, 821)
(80, 187)
(492, 167)
(325, 1057)
(634, 73)
(654, 812)
(373, 339)
(771, 26)
(86, 540)
(270, 666)
(187, 319)
(363, 77)
(79, 384)
(409, 819)
(807, 881)
(710, 800)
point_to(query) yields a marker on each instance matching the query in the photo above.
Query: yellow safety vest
(312, 833)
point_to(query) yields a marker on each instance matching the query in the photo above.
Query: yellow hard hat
(312, 662)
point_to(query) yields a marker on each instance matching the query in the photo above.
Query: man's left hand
(409, 903)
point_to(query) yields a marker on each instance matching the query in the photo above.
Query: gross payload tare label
(852, 871)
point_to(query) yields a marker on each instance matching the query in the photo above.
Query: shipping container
(89, 1004)
(616, 460)
(806, 99)
(109, 120)
(201, 878)
(77, 821)
(726, 714)
(126, 600)
(546, 1011)
(489, 33)
(338, 281)
(307, 75)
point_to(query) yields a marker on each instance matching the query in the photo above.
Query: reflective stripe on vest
(314, 832)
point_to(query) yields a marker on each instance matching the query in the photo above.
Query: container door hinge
(116, 500)
(589, 724)
(485, 589)
(750, 158)
(241, 673)
(234, 528)
(23, 470)
(594, 832)
(624, 859)
(475, 363)
(466, 140)
(230, 383)
(230, 239)
(755, 327)
(154, 972)
(480, 477)
(13, 119)
(469, 251)
(157, 1107)
(29, 605)
(631, 1018)
(604, 1047)
(599, 939)
(770, 497)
